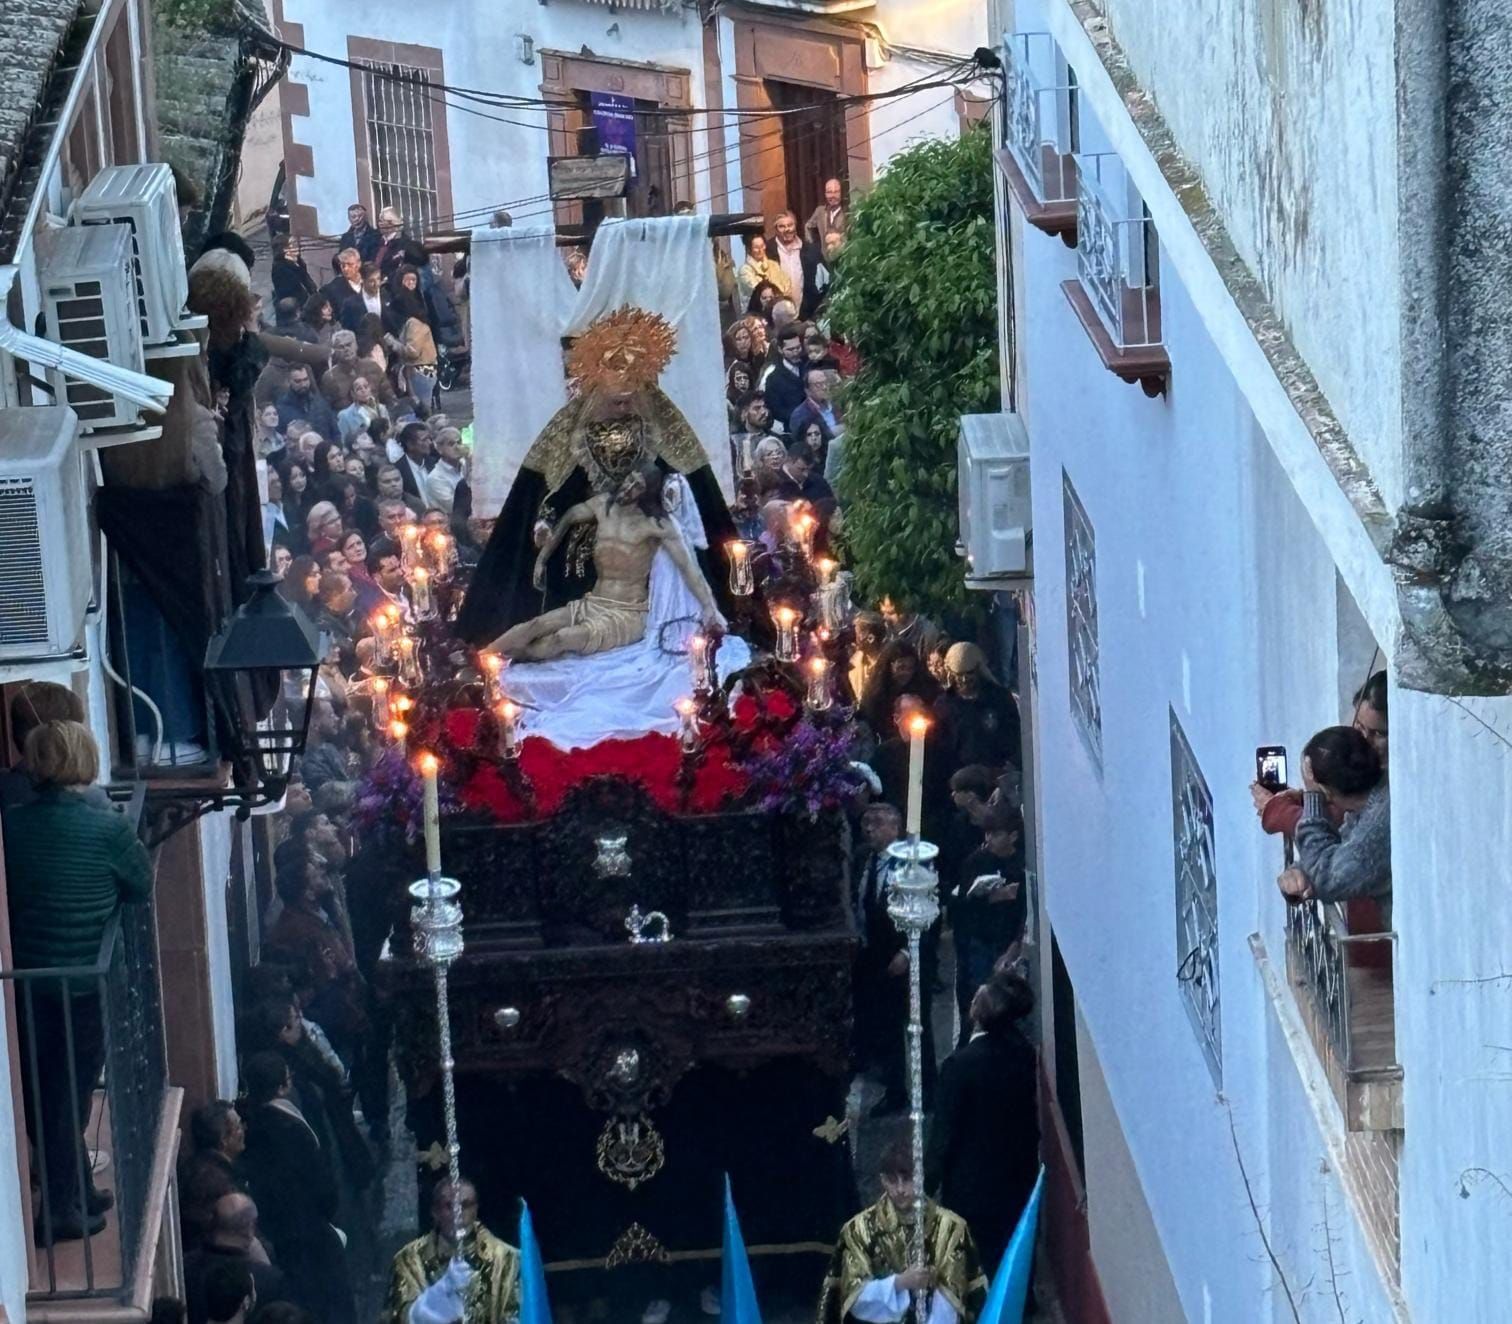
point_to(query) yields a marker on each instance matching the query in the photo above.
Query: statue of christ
(632, 525)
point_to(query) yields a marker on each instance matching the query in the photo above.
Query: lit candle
(818, 696)
(380, 691)
(787, 634)
(742, 581)
(429, 767)
(409, 547)
(401, 704)
(803, 534)
(918, 724)
(441, 554)
(687, 731)
(383, 639)
(420, 591)
(826, 568)
(493, 665)
(409, 662)
(698, 656)
(508, 712)
(398, 731)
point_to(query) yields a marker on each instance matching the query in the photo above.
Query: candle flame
(406, 645)
(817, 665)
(738, 550)
(786, 615)
(380, 685)
(918, 724)
(393, 615)
(429, 765)
(409, 531)
(684, 707)
(398, 729)
(404, 703)
(508, 710)
(825, 564)
(421, 573)
(493, 662)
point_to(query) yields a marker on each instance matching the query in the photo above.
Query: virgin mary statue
(619, 420)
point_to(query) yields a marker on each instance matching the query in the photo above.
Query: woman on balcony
(68, 865)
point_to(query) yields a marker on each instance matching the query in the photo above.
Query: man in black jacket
(782, 383)
(359, 234)
(232, 1240)
(991, 905)
(981, 1156)
(291, 1176)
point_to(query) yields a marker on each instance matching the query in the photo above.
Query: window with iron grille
(399, 110)
(1196, 899)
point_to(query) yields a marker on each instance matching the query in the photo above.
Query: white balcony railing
(1115, 252)
(1037, 115)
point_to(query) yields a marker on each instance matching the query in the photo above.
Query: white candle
(398, 731)
(698, 656)
(787, 634)
(429, 767)
(687, 733)
(441, 555)
(409, 547)
(742, 582)
(493, 665)
(918, 724)
(826, 568)
(409, 662)
(508, 712)
(380, 690)
(818, 697)
(383, 644)
(420, 591)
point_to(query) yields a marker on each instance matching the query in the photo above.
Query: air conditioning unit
(143, 197)
(993, 486)
(88, 277)
(44, 534)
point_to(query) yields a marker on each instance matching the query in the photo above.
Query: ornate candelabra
(913, 905)
(436, 921)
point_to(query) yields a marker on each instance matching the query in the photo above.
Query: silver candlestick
(913, 906)
(436, 921)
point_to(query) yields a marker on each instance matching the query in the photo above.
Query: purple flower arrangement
(805, 774)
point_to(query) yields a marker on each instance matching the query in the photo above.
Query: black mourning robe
(550, 482)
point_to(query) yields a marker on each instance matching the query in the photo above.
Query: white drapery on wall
(523, 303)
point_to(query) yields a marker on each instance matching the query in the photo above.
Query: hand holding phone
(1270, 766)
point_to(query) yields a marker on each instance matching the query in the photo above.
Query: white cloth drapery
(523, 303)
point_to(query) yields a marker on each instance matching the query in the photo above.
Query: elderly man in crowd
(830, 217)
(449, 471)
(347, 283)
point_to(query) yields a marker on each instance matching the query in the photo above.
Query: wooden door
(813, 144)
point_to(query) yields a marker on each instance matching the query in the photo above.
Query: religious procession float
(618, 755)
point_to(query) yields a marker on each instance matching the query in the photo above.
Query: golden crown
(625, 349)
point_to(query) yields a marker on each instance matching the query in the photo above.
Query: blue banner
(614, 118)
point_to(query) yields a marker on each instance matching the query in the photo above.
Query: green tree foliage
(916, 294)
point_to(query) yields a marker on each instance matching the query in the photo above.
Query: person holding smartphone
(990, 914)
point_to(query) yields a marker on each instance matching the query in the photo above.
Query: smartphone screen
(1270, 766)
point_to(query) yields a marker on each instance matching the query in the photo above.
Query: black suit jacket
(982, 1152)
(268, 1280)
(354, 308)
(366, 244)
(289, 1175)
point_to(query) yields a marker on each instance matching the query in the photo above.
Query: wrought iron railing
(1037, 113)
(1115, 252)
(93, 1069)
(1347, 978)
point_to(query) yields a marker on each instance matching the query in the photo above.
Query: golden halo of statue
(625, 350)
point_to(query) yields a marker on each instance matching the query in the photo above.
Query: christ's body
(613, 613)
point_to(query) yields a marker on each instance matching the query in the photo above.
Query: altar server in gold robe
(433, 1284)
(871, 1279)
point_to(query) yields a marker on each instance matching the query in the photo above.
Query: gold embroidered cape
(874, 1244)
(493, 1295)
(559, 447)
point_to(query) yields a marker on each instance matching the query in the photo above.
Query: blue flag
(1010, 1286)
(737, 1294)
(534, 1307)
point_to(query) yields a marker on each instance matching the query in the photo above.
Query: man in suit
(231, 1241)
(800, 263)
(414, 464)
(981, 1156)
(372, 300)
(831, 218)
(781, 384)
(291, 1176)
(347, 283)
(816, 407)
(212, 1171)
(359, 235)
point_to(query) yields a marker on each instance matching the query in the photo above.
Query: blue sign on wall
(614, 118)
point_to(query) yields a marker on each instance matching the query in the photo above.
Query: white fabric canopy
(523, 303)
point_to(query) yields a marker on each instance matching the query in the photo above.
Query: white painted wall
(919, 35)
(1216, 597)
(1288, 113)
(493, 164)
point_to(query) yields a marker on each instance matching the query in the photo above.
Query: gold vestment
(493, 1295)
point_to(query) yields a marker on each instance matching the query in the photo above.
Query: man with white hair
(800, 263)
(448, 472)
(348, 281)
